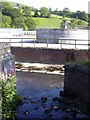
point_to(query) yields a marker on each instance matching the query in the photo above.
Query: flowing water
(32, 87)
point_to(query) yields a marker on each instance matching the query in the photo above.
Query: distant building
(16, 6)
(64, 25)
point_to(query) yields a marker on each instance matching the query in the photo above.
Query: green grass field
(48, 22)
(53, 22)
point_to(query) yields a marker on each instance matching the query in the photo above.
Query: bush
(10, 99)
(86, 63)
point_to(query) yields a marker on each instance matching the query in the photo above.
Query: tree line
(45, 12)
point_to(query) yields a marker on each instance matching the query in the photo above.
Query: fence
(62, 43)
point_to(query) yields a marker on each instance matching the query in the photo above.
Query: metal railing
(32, 42)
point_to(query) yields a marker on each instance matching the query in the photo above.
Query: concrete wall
(54, 34)
(77, 81)
(52, 56)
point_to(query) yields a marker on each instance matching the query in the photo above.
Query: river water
(33, 86)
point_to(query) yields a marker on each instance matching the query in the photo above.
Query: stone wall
(7, 61)
(77, 81)
(51, 56)
(53, 35)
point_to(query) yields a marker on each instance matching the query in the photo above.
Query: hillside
(55, 21)
(47, 22)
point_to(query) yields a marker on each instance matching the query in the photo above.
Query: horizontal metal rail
(70, 39)
(61, 42)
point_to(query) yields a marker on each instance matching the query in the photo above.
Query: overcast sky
(73, 5)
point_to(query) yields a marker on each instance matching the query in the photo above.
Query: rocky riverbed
(40, 68)
(43, 97)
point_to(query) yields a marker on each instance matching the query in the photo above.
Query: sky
(73, 5)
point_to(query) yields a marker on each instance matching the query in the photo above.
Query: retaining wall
(77, 81)
(51, 56)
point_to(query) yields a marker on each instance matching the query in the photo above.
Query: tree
(18, 22)
(60, 13)
(56, 12)
(66, 12)
(6, 8)
(81, 15)
(36, 14)
(72, 24)
(7, 21)
(27, 11)
(66, 9)
(30, 23)
(81, 24)
(16, 13)
(0, 19)
(44, 12)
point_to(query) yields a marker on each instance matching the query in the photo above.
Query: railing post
(22, 42)
(47, 42)
(10, 41)
(61, 43)
(34, 42)
(75, 43)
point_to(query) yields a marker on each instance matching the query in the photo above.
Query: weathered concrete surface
(77, 81)
(52, 56)
(53, 35)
